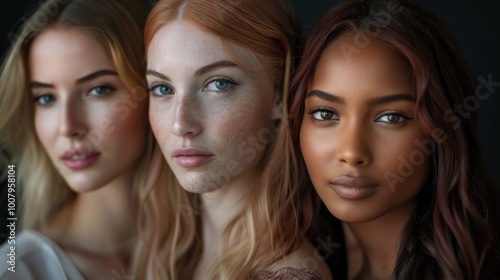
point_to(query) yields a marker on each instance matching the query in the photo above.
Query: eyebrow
(35, 84)
(325, 96)
(392, 98)
(199, 72)
(157, 74)
(375, 101)
(215, 65)
(91, 76)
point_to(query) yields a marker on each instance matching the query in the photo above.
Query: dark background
(475, 24)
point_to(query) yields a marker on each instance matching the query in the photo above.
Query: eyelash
(156, 85)
(110, 89)
(404, 117)
(226, 79)
(313, 111)
(36, 99)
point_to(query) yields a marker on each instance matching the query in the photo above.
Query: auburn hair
(452, 234)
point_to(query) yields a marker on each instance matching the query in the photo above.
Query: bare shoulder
(302, 264)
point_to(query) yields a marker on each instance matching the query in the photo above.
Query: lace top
(288, 273)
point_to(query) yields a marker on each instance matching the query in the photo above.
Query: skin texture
(188, 109)
(92, 115)
(95, 228)
(215, 111)
(233, 123)
(351, 135)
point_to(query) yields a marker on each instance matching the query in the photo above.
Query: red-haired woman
(229, 206)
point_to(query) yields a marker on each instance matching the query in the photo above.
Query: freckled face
(360, 141)
(83, 111)
(211, 117)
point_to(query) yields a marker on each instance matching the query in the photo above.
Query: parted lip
(190, 151)
(354, 182)
(77, 152)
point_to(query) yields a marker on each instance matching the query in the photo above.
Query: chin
(83, 185)
(354, 219)
(200, 182)
(351, 214)
(83, 188)
(197, 188)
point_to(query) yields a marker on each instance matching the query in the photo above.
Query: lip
(190, 157)
(353, 187)
(86, 158)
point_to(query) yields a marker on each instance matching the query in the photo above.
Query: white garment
(37, 257)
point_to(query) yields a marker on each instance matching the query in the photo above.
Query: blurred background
(475, 24)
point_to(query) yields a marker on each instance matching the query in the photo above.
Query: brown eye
(393, 118)
(324, 115)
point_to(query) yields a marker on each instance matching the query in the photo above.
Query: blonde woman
(74, 122)
(229, 207)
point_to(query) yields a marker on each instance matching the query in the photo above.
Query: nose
(354, 146)
(187, 117)
(71, 120)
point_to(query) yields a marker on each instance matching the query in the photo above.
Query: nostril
(78, 132)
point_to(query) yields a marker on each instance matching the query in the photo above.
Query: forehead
(66, 51)
(183, 44)
(347, 63)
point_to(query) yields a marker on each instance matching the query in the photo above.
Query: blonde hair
(269, 226)
(116, 25)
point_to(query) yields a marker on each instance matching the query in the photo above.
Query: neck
(102, 221)
(219, 208)
(373, 246)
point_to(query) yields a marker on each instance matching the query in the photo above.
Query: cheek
(306, 143)
(406, 164)
(45, 127)
(310, 152)
(158, 119)
(244, 120)
(128, 123)
(314, 149)
(234, 120)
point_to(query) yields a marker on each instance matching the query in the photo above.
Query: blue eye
(44, 99)
(160, 90)
(393, 118)
(221, 84)
(100, 90)
(323, 114)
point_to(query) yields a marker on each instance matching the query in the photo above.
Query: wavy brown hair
(452, 234)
